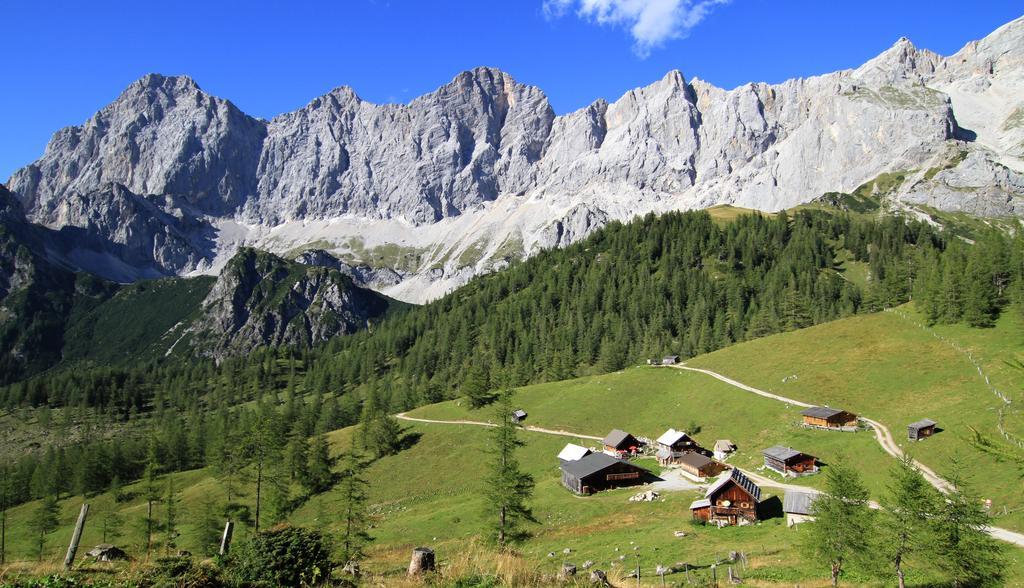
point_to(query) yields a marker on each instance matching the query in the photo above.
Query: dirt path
(530, 428)
(882, 434)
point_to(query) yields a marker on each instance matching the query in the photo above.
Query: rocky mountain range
(414, 199)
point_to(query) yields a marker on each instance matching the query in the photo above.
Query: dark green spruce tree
(508, 488)
(355, 523)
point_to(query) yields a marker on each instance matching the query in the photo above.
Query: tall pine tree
(508, 488)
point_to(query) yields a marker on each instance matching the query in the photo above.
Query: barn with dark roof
(789, 462)
(600, 471)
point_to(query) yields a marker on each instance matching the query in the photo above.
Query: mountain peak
(159, 82)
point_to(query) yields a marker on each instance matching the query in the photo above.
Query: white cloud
(650, 22)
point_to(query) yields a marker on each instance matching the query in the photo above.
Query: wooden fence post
(69, 559)
(225, 539)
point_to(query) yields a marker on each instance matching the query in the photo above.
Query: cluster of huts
(732, 498)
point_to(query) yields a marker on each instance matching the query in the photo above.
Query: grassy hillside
(880, 365)
(133, 324)
(887, 368)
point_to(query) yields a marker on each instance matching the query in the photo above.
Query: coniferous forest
(678, 283)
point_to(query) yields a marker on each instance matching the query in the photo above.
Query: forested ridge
(678, 283)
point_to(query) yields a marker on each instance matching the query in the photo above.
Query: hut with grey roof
(797, 506)
(789, 462)
(619, 442)
(600, 471)
(829, 418)
(922, 429)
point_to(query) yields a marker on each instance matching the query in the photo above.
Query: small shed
(573, 452)
(618, 442)
(731, 500)
(670, 360)
(922, 429)
(518, 415)
(797, 506)
(829, 418)
(723, 447)
(696, 464)
(789, 462)
(599, 471)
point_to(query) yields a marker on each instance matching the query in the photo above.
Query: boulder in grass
(107, 552)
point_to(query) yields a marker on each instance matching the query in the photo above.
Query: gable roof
(724, 445)
(798, 502)
(740, 479)
(922, 424)
(694, 460)
(519, 414)
(573, 452)
(671, 437)
(821, 412)
(616, 438)
(783, 453)
(591, 464)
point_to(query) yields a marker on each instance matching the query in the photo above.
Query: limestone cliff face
(170, 180)
(260, 299)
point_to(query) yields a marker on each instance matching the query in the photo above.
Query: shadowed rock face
(154, 176)
(260, 299)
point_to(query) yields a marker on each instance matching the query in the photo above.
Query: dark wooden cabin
(599, 471)
(922, 429)
(788, 461)
(731, 500)
(829, 418)
(518, 416)
(618, 442)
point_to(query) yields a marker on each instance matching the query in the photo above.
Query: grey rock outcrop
(170, 180)
(260, 299)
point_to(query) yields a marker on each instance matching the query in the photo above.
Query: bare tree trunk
(225, 539)
(69, 559)
(835, 574)
(899, 572)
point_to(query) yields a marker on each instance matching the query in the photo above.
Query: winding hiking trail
(882, 434)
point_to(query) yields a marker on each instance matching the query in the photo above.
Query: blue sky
(63, 60)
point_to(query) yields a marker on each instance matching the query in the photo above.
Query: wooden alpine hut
(619, 442)
(731, 500)
(789, 462)
(922, 429)
(600, 471)
(829, 418)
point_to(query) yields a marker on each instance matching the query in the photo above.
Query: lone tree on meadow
(907, 508)
(355, 522)
(508, 487)
(843, 524)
